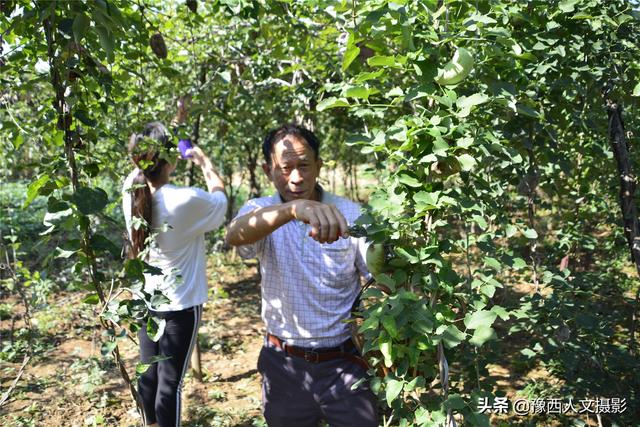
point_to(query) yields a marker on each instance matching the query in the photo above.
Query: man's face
(294, 169)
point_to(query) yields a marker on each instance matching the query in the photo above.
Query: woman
(178, 218)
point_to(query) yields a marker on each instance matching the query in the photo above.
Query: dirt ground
(70, 384)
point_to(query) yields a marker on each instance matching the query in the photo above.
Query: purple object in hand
(183, 146)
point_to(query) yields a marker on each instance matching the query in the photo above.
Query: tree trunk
(618, 140)
(254, 185)
(195, 136)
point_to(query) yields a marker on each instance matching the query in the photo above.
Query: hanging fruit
(158, 45)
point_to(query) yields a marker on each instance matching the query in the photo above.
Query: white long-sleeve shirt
(181, 216)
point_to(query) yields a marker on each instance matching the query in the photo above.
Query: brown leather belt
(318, 356)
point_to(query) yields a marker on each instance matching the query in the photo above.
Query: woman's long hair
(150, 163)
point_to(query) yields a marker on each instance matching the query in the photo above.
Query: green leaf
(358, 92)
(471, 101)
(479, 318)
(501, 312)
(106, 41)
(107, 347)
(407, 179)
(530, 233)
(568, 5)
(352, 53)
(133, 268)
(331, 102)
(467, 162)
(393, 389)
(91, 299)
(452, 336)
(389, 323)
(101, 243)
(90, 200)
(80, 25)
(385, 349)
(382, 61)
(155, 328)
(141, 368)
(426, 200)
(482, 334)
(636, 90)
(454, 401)
(34, 189)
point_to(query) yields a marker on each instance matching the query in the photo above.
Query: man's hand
(326, 221)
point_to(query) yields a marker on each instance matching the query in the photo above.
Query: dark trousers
(297, 393)
(160, 387)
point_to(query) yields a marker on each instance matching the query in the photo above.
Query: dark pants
(297, 393)
(160, 387)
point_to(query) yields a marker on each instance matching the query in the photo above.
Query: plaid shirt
(308, 288)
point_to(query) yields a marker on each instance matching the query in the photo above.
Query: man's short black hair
(278, 134)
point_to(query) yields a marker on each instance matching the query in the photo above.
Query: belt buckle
(312, 356)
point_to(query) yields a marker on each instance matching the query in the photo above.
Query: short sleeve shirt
(181, 216)
(308, 288)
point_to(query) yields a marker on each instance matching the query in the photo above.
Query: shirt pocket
(338, 263)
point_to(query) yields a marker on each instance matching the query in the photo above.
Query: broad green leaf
(91, 299)
(473, 100)
(141, 368)
(479, 318)
(452, 336)
(383, 61)
(455, 401)
(106, 40)
(426, 200)
(568, 5)
(351, 53)
(134, 269)
(101, 243)
(467, 163)
(360, 92)
(34, 189)
(636, 90)
(481, 335)
(389, 323)
(155, 328)
(385, 349)
(407, 179)
(80, 25)
(501, 312)
(332, 102)
(107, 347)
(530, 233)
(90, 200)
(393, 389)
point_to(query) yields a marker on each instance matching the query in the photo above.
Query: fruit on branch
(375, 258)
(193, 5)
(457, 69)
(158, 45)
(6, 7)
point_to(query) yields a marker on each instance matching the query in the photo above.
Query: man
(311, 273)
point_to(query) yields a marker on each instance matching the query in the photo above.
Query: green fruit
(457, 69)
(375, 258)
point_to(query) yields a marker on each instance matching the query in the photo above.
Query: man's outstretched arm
(327, 223)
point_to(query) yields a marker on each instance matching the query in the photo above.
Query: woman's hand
(197, 155)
